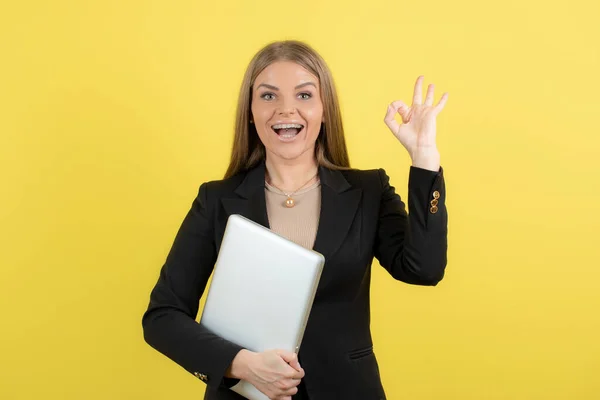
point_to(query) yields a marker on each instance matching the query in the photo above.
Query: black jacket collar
(339, 202)
(255, 180)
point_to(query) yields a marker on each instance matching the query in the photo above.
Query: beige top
(299, 223)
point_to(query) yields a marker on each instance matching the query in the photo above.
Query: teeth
(287, 126)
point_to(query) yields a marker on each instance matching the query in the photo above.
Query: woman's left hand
(418, 130)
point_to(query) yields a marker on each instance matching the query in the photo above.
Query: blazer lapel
(250, 202)
(339, 202)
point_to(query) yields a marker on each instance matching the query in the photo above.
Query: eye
(305, 96)
(267, 96)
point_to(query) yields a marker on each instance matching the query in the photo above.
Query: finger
(403, 110)
(291, 359)
(390, 117)
(295, 365)
(290, 392)
(285, 395)
(293, 382)
(288, 356)
(294, 374)
(440, 105)
(287, 383)
(429, 97)
(417, 96)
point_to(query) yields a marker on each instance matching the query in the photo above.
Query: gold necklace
(290, 202)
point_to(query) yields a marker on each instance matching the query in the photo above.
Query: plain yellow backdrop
(113, 112)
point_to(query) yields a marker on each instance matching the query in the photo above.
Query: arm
(169, 323)
(412, 246)
(170, 327)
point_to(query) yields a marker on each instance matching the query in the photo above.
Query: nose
(287, 108)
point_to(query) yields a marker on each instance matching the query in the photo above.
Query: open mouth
(287, 131)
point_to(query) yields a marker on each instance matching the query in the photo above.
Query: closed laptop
(261, 292)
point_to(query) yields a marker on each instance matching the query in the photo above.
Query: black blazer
(361, 217)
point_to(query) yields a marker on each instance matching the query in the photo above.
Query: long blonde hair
(330, 148)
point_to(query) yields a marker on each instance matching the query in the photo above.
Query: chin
(290, 154)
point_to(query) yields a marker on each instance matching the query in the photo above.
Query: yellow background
(113, 112)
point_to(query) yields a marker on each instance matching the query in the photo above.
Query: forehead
(285, 73)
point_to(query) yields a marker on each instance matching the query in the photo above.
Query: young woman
(290, 172)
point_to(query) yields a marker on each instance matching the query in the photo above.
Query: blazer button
(433, 209)
(436, 195)
(434, 202)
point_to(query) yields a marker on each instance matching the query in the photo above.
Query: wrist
(428, 158)
(240, 365)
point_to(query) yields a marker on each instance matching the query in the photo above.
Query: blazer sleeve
(412, 246)
(169, 323)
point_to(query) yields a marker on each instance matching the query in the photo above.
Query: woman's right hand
(276, 373)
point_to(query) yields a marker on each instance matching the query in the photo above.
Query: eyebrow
(266, 85)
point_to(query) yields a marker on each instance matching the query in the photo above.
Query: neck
(289, 175)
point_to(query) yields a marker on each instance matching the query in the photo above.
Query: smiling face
(287, 110)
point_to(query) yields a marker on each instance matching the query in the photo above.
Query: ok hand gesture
(417, 132)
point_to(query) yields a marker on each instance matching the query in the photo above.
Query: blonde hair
(330, 147)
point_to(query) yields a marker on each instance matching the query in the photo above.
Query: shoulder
(223, 186)
(212, 190)
(366, 178)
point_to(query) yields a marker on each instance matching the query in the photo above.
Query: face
(287, 110)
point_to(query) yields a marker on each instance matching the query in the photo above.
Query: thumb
(291, 358)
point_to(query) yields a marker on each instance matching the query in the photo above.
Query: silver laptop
(262, 290)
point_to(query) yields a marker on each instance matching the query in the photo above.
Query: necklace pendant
(289, 203)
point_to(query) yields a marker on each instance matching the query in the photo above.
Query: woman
(290, 172)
